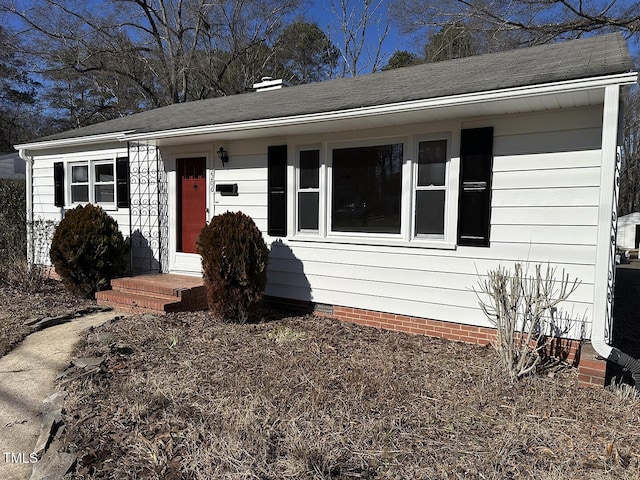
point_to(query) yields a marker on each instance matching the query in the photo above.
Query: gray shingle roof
(571, 60)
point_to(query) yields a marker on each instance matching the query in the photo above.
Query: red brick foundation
(422, 326)
(591, 369)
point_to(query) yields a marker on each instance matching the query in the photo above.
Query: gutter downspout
(29, 192)
(605, 250)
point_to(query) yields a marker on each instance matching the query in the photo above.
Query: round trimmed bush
(88, 250)
(234, 264)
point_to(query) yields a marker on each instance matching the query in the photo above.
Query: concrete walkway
(27, 376)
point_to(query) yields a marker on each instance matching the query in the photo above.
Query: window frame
(373, 142)
(96, 183)
(446, 187)
(320, 231)
(92, 182)
(407, 237)
(86, 183)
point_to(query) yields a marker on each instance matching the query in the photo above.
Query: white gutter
(605, 251)
(401, 107)
(69, 142)
(29, 192)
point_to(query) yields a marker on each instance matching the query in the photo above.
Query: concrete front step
(159, 293)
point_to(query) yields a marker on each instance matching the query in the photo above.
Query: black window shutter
(58, 184)
(277, 191)
(476, 166)
(122, 181)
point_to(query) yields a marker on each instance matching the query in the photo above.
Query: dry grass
(18, 306)
(310, 398)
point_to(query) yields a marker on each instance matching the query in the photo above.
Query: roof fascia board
(439, 102)
(69, 142)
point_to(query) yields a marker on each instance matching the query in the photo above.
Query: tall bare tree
(522, 22)
(17, 94)
(362, 29)
(130, 55)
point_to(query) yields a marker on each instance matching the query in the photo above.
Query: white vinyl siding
(544, 209)
(247, 167)
(423, 283)
(545, 205)
(43, 196)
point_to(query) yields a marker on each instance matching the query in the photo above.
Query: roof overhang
(75, 141)
(550, 96)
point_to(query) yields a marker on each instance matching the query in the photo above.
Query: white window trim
(72, 183)
(406, 237)
(356, 237)
(113, 182)
(91, 164)
(446, 187)
(321, 187)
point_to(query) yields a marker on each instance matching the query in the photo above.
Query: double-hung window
(309, 191)
(104, 183)
(80, 183)
(430, 187)
(93, 182)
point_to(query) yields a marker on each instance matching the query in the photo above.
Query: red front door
(192, 202)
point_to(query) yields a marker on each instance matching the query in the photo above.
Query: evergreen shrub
(88, 250)
(13, 218)
(234, 264)
(16, 270)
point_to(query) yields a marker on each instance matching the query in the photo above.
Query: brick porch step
(156, 293)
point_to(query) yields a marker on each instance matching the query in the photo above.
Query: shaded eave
(75, 141)
(524, 99)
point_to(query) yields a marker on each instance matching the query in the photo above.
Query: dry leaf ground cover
(17, 306)
(182, 396)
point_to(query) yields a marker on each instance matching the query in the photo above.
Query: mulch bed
(183, 396)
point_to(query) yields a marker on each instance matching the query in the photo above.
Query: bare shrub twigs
(524, 310)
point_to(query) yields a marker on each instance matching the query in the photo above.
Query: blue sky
(320, 12)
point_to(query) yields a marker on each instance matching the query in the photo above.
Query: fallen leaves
(304, 397)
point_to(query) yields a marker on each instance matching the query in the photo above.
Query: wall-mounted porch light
(223, 156)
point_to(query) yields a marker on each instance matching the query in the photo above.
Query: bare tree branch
(359, 23)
